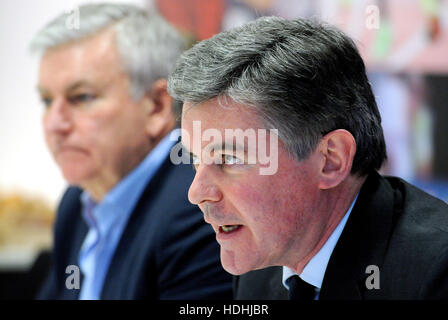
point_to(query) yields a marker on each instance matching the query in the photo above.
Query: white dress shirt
(314, 271)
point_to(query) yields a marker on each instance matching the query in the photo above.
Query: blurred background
(403, 42)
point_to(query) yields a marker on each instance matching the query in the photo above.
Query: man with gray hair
(324, 224)
(124, 229)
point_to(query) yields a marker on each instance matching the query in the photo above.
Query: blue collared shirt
(314, 271)
(107, 220)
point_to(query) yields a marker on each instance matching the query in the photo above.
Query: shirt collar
(124, 196)
(314, 271)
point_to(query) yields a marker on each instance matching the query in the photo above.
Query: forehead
(218, 125)
(221, 114)
(93, 59)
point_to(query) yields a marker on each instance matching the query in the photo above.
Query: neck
(100, 186)
(335, 202)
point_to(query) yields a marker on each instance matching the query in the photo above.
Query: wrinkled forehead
(225, 124)
(221, 113)
(90, 57)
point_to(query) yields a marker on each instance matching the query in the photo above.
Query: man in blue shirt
(127, 225)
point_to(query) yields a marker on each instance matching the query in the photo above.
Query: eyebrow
(76, 85)
(219, 146)
(72, 87)
(42, 91)
(227, 146)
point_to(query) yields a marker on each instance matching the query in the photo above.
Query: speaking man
(324, 224)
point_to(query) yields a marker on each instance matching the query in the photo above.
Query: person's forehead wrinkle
(91, 58)
(217, 103)
(77, 85)
(186, 107)
(91, 83)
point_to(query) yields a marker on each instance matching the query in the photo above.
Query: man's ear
(338, 149)
(159, 113)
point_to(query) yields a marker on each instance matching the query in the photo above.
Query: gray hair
(303, 78)
(148, 45)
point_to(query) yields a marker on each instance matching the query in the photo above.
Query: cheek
(258, 204)
(271, 205)
(115, 126)
(250, 196)
(45, 124)
(94, 130)
(50, 139)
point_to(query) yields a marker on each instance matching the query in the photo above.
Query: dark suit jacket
(166, 250)
(394, 226)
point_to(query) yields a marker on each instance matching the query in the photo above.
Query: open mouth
(229, 228)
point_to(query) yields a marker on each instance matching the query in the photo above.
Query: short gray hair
(303, 78)
(147, 43)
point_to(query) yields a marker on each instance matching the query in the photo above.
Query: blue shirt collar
(314, 271)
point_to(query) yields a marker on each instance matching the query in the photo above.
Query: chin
(233, 271)
(75, 177)
(231, 264)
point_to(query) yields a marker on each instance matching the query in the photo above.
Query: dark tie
(299, 289)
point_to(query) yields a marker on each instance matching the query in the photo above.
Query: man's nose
(203, 188)
(58, 117)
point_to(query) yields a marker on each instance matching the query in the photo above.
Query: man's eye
(47, 102)
(229, 159)
(81, 98)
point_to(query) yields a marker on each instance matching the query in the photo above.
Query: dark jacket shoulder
(166, 251)
(395, 226)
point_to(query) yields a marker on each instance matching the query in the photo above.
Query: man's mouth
(69, 149)
(229, 228)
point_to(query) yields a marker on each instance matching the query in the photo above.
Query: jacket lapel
(264, 284)
(114, 289)
(68, 251)
(363, 242)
